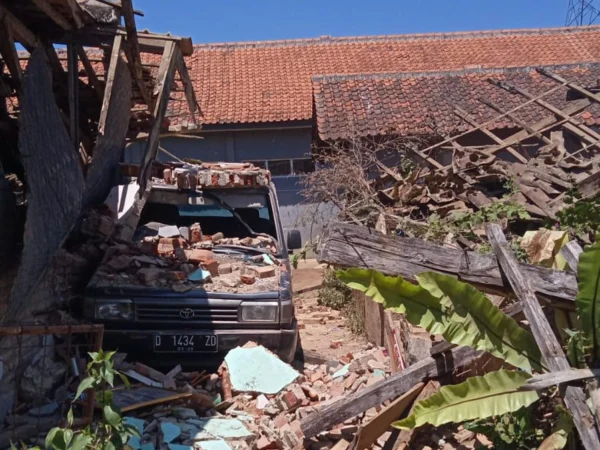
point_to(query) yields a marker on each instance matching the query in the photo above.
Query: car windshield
(214, 213)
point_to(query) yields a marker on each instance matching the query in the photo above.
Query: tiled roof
(419, 103)
(271, 81)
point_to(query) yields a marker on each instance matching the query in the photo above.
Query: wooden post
(133, 51)
(571, 252)
(110, 79)
(550, 348)
(73, 82)
(91, 73)
(8, 51)
(162, 89)
(189, 89)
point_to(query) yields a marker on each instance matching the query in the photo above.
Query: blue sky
(251, 20)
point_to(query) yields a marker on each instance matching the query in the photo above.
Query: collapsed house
(65, 117)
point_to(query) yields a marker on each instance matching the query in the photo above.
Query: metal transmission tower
(582, 12)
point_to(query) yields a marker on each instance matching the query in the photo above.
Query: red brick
(195, 233)
(199, 255)
(264, 271)
(212, 265)
(167, 246)
(247, 278)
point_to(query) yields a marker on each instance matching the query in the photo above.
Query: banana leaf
(588, 297)
(493, 394)
(396, 294)
(470, 321)
(477, 323)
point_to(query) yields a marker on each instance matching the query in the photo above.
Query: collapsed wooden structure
(542, 159)
(65, 117)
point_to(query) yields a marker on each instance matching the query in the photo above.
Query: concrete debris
(42, 377)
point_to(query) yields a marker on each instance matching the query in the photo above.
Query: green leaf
(50, 437)
(68, 436)
(494, 394)
(395, 293)
(109, 376)
(125, 380)
(475, 322)
(85, 384)
(111, 416)
(70, 417)
(588, 297)
(81, 441)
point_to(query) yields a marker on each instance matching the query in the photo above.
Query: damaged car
(208, 270)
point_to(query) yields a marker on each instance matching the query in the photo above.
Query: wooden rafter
(76, 11)
(8, 51)
(464, 115)
(73, 85)
(578, 129)
(164, 82)
(91, 73)
(110, 78)
(545, 338)
(51, 12)
(188, 89)
(133, 50)
(564, 82)
(21, 33)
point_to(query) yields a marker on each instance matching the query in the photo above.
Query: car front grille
(187, 313)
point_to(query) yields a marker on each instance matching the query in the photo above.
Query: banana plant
(464, 316)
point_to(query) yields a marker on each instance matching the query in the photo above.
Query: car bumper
(139, 345)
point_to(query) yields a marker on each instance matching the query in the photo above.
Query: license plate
(186, 343)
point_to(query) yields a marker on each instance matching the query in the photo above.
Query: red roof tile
(271, 81)
(374, 104)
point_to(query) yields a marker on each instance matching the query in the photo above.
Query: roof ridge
(397, 37)
(442, 73)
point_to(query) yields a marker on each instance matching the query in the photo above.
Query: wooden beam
(51, 12)
(546, 380)
(22, 34)
(580, 130)
(550, 348)
(76, 11)
(110, 78)
(137, 12)
(571, 252)
(392, 387)
(8, 51)
(91, 73)
(464, 115)
(347, 245)
(162, 89)
(564, 82)
(369, 433)
(516, 120)
(189, 90)
(489, 122)
(589, 186)
(73, 86)
(134, 60)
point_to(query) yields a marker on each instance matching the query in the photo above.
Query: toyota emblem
(186, 313)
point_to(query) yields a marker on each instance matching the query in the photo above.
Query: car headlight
(114, 310)
(259, 312)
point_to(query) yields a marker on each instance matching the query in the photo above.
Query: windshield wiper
(237, 248)
(228, 207)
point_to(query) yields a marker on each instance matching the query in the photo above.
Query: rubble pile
(257, 405)
(183, 259)
(195, 175)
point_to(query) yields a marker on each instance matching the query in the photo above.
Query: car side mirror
(294, 240)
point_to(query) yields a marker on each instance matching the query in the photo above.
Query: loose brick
(225, 269)
(247, 278)
(264, 271)
(212, 265)
(167, 246)
(195, 233)
(199, 255)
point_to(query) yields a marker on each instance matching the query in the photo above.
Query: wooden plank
(91, 73)
(538, 198)
(347, 245)
(73, 86)
(550, 348)
(369, 433)
(546, 380)
(110, 78)
(51, 12)
(76, 12)
(516, 120)
(8, 51)
(590, 185)
(581, 130)
(162, 89)
(392, 387)
(133, 50)
(374, 327)
(564, 82)
(188, 89)
(571, 252)
(464, 115)
(489, 122)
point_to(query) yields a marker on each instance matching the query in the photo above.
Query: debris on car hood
(183, 259)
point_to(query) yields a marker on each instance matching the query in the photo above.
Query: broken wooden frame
(18, 335)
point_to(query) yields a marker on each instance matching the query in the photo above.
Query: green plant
(581, 216)
(464, 316)
(112, 433)
(302, 253)
(495, 211)
(333, 293)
